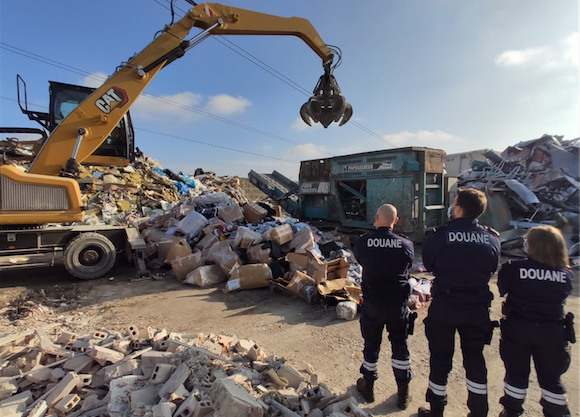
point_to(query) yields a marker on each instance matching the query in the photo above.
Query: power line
(235, 48)
(176, 137)
(164, 100)
(213, 144)
(261, 64)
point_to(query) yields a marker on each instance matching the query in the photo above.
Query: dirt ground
(280, 324)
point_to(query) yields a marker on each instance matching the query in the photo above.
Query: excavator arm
(88, 126)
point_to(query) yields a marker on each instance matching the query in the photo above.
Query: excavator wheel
(90, 255)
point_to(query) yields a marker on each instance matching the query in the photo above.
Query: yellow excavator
(32, 202)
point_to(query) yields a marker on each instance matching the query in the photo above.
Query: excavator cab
(119, 147)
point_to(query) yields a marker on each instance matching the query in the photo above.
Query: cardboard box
(152, 234)
(336, 269)
(257, 255)
(192, 224)
(185, 264)
(248, 277)
(254, 213)
(205, 276)
(209, 251)
(317, 269)
(207, 241)
(226, 259)
(281, 234)
(299, 280)
(303, 239)
(330, 287)
(246, 237)
(179, 248)
(231, 213)
(163, 248)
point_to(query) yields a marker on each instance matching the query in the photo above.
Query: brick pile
(156, 373)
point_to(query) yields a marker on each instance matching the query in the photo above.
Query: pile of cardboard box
(149, 372)
(246, 247)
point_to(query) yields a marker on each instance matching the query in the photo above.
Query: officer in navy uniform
(463, 255)
(385, 258)
(535, 324)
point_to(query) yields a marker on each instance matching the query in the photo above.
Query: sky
(446, 74)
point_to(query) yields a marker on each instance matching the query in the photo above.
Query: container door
(398, 191)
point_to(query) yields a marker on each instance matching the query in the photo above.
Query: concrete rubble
(530, 183)
(155, 373)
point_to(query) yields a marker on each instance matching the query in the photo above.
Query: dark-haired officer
(463, 255)
(534, 325)
(385, 258)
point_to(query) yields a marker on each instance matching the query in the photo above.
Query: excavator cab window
(64, 98)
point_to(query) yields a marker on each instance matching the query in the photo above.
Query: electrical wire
(265, 67)
(164, 100)
(232, 46)
(40, 106)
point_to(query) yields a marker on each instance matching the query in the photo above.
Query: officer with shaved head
(385, 258)
(463, 255)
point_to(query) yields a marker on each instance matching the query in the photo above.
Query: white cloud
(94, 80)
(424, 138)
(305, 152)
(563, 53)
(511, 58)
(570, 48)
(226, 104)
(172, 108)
(299, 125)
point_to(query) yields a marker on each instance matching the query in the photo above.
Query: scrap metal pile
(532, 182)
(156, 373)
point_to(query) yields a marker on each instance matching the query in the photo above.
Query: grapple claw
(326, 105)
(346, 115)
(305, 114)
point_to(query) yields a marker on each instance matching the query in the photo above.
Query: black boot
(435, 411)
(365, 387)
(403, 397)
(506, 412)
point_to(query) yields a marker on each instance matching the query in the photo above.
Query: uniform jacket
(462, 255)
(534, 290)
(386, 258)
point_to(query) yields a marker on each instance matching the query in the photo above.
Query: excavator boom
(86, 127)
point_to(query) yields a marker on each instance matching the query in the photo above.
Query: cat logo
(115, 97)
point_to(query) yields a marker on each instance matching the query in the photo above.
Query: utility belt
(567, 321)
(446, 289)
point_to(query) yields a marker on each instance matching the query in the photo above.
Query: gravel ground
(279, 323)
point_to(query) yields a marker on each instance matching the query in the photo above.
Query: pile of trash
(206, 232)
(530, 183)
(208, 240)
(117, 196)
(149, 372)
(203, 229)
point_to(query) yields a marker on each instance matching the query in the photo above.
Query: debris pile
(116, 196)
(149, 372)
(532, 182)
(209, 239)
(204, 230)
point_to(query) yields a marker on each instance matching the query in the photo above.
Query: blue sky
(448, 74)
